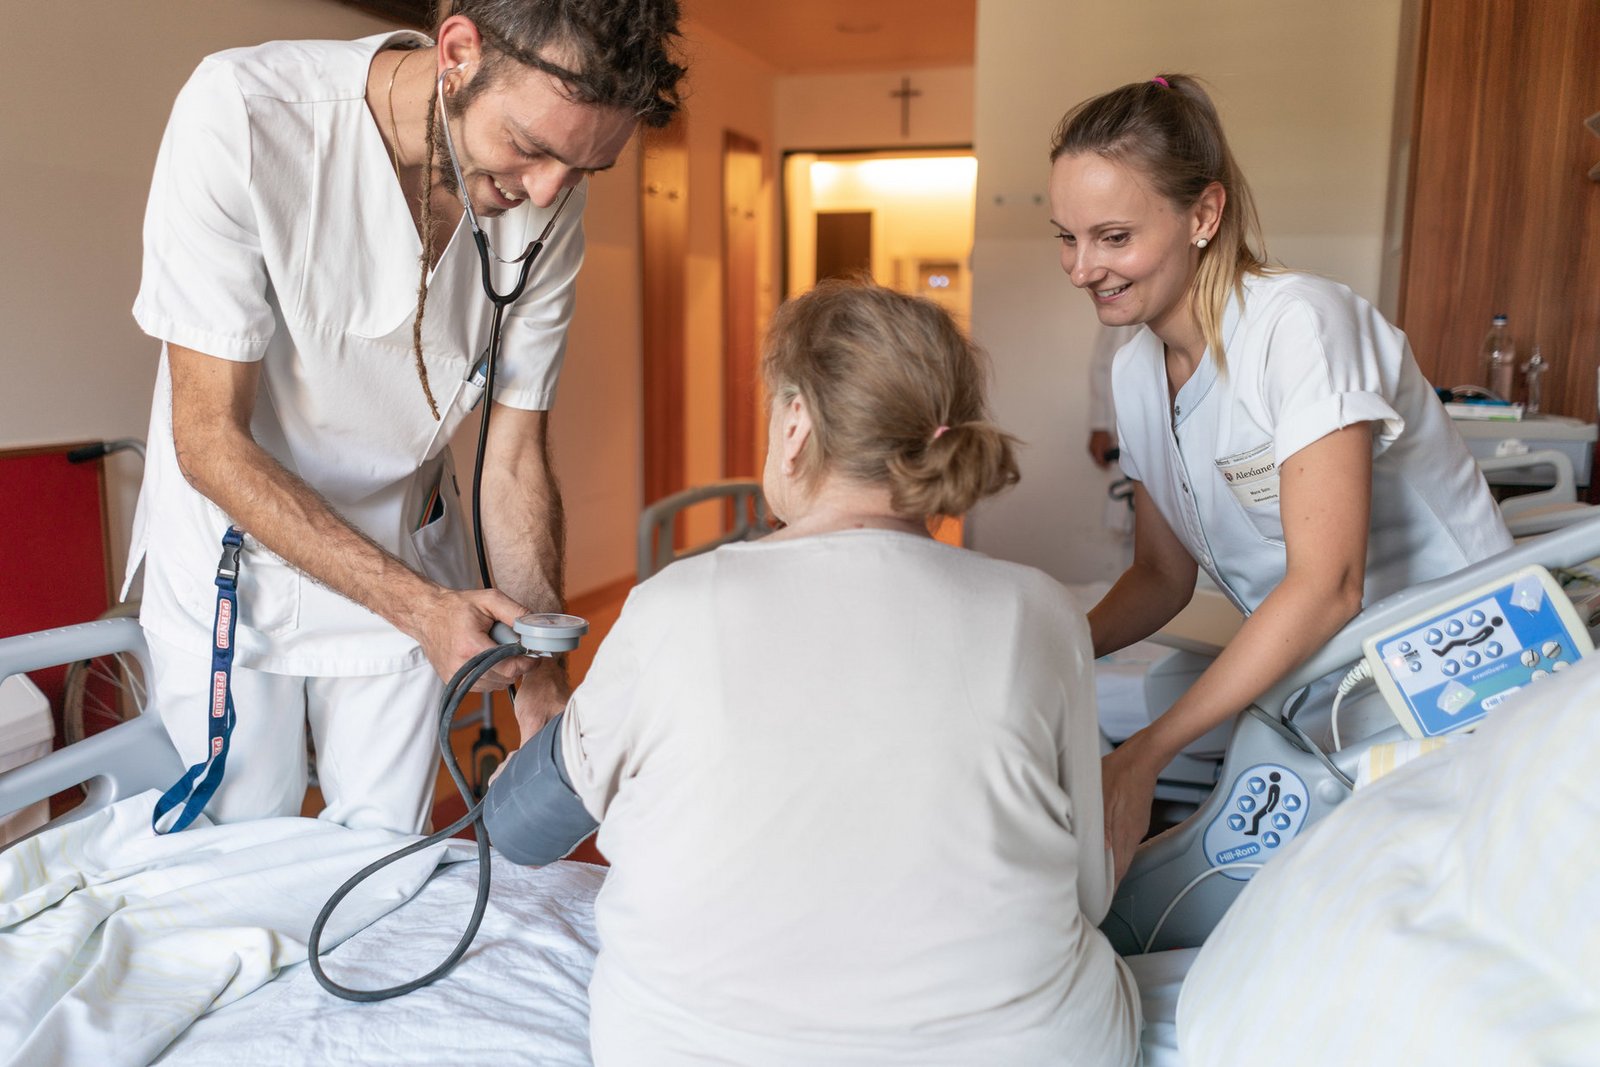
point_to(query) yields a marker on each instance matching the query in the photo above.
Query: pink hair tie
(1159, 80)
(940, 432)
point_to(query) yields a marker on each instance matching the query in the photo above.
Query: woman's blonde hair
(1168, 129)
(896, 394)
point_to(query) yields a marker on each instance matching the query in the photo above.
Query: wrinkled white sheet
(113, 939)
(519, 996)
(1160, 976)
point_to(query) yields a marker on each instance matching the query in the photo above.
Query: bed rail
(658, 522)
(127, 759)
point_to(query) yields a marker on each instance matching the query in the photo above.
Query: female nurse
(1278, 431)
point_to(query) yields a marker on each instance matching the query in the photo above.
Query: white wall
(834, 111)
(88, 85)
(1306, 90)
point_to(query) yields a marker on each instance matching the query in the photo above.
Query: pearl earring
(1201, 242)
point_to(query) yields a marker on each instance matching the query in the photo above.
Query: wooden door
(844, 244)
(1503, 217)
(664, 220)
(742, 178)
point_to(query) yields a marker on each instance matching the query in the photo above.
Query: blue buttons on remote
(1493, 650)
(1433, 637)
(1476, 619)
(1453, 627)
(1266, 808)
(1451, 667)
(1471, 659)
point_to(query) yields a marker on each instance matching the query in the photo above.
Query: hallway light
(917, 175)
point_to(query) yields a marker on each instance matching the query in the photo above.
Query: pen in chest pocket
(479, 377)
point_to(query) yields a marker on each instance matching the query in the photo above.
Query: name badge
(1251, 475)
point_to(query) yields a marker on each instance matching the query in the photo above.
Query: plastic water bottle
(1499, 359)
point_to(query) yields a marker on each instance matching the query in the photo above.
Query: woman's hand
(1128, 784)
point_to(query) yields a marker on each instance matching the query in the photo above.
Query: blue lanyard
(186, 791)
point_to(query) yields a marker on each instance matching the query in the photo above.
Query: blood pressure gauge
(549, 633)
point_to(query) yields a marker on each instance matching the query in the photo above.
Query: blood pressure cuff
(532, 813)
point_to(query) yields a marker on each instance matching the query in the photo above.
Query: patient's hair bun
(896, 394)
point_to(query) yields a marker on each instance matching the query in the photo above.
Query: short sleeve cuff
(530, 398)
(1125, 460)
(1299, 428)
(209, 342)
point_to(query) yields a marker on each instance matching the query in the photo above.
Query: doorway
(903, 218)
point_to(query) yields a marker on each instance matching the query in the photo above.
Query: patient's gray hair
(896, 394)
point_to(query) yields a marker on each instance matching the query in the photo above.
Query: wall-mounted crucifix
(905, 93)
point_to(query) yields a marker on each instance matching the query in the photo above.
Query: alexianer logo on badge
(1252, 475)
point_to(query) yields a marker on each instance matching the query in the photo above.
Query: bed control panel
(1449, 667)
(1266, 808)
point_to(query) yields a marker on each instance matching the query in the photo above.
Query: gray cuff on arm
(532, 814)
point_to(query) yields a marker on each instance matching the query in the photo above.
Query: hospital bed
(518, 996)
(539, 934)
(1136, 685)
(1181, 882)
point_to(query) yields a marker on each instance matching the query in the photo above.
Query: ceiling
(810, 36)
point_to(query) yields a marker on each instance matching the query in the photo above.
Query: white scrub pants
(376, 739)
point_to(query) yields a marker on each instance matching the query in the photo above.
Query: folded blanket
(113, 939)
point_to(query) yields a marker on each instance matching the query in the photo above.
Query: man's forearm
(287, 516)
(525, 534)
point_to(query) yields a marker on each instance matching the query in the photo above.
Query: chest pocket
(1252, 480)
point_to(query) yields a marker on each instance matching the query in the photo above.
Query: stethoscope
(500, 301)
(485, 252)
(535, 635)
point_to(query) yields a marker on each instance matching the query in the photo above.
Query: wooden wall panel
(664, 220)
(742, 178)
(1502, 216)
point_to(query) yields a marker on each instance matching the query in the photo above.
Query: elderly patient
(847, 776)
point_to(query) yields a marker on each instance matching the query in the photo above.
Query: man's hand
(453, 625)
(1128, 784)
(1101, 444)
(541, 695)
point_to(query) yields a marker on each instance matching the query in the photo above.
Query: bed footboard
(126, 759)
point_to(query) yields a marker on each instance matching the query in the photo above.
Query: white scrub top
(276, 232)
(1305, 357)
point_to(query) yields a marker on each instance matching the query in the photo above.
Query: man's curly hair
(620, 51)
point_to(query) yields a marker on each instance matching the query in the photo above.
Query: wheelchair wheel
(99, 693)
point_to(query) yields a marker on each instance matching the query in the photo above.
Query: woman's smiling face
(1124, 243)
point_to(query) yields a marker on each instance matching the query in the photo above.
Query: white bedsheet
(113, 939)
(519, 996)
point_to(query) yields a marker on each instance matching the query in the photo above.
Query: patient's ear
(796, 431)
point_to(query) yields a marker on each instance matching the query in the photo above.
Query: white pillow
(1449, 914)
